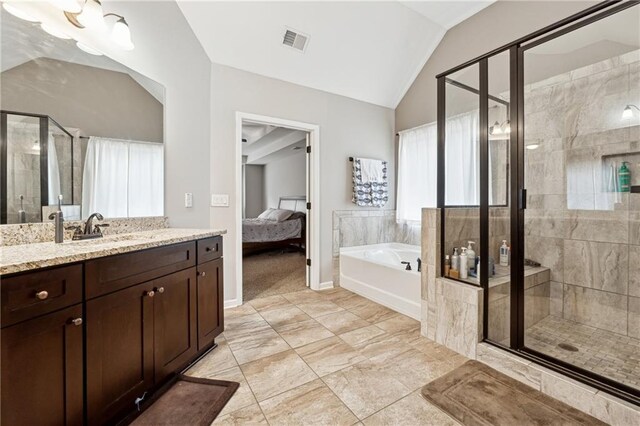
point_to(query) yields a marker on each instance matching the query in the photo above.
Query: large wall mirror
(75, 126)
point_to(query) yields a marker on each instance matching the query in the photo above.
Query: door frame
(313, 194)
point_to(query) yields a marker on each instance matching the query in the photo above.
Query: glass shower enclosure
(539, 167)
(36, 166)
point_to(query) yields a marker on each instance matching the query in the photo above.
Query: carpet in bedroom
(271, 273)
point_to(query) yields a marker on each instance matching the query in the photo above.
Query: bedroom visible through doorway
(275, 187)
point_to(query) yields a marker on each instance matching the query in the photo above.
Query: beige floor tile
(250, 347)
(219, 359)
(406, 329)
(342, 322)
(248, 416)
(319, 308)
(365, 389)
(304, 296)
(238, 311)
(237, 327)
(303, 333)
(268, 303)
(361, 335)
(373, 342)
(372, 312)
(413, 368)
(278, 373)
(352, 301)
(411, 410)
(329, 355)
(309, 404)
(284, 315)
(243, 396)
(336, 293)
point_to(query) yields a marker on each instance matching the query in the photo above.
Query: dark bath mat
(185, 401)
(476, 394)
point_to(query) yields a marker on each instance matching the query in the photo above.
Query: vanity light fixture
(628, 112)
(120, 33)
(17, 12)
(500, 128)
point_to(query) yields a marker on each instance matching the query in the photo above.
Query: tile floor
(330, 358)
(608, 354)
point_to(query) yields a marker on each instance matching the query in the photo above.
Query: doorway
(276, 236)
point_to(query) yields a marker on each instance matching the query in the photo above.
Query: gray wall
(498, 24)
(284, 177)
(347, 127)
(254, 198)
(117, 107)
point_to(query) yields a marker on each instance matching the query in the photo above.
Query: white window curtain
(417, 172)
(123, 178)
(53, 168)
(417, 167)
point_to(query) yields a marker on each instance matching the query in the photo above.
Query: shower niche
(539, 166)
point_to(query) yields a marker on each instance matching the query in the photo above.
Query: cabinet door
(210, 302)
(119, 351)
(42, 370)
(174, 322)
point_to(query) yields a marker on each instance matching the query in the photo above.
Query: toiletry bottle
(455, 260)
(624, 177)
(504, 254)
(478, 268)
(471, 256)
(447, 265)
(464, 264)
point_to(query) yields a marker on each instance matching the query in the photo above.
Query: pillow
(277, 215)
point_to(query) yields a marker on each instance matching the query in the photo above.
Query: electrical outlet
(188, 199)
(219, 200)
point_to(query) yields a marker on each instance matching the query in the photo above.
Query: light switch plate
(188, 199)
(219, 200)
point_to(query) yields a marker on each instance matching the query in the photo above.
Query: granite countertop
(25, 257)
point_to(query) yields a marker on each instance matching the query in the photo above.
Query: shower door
(580, 296)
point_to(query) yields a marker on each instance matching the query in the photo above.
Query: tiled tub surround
(364, 227)
(20, 258)
(452, 316)
(28, 233)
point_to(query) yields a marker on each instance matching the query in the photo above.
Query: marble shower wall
(575, 224)
(363, 227)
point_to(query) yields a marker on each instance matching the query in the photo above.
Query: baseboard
(398, 304)
(230, 303)
(325, 285)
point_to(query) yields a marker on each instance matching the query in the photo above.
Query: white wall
(254, 199)
(347, 128)
(284, 177)
(168, 52)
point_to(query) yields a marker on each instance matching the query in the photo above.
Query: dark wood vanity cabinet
(138, 332)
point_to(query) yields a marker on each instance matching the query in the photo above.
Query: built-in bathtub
(376, 272)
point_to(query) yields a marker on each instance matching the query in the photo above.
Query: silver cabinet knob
(160, 290)
(42, 294)
(202, 274)
(150, 293)
(76, 321)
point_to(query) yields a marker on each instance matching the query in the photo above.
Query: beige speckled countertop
(25, 257)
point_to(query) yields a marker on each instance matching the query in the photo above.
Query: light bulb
(54, 31)
(627, 113)
(17, 12)
(121, 34)
(71, 6)
(88, 49)
(91, 16)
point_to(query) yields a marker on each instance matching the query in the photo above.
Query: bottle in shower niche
(504, 254)
(447, 265)
(471, 256)
(464, 264)
(624, 177)
(455, 260)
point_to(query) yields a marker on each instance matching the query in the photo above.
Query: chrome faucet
(90, 230)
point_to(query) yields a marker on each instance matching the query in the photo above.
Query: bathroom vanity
(89, 327)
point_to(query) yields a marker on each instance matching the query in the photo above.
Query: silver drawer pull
(202, 274)
(42, 294)
(76, 321)
(150, 293)
(160, 290)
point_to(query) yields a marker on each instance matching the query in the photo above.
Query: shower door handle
(522, 202)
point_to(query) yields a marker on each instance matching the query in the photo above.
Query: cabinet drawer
(209, 249)
(113, 273)
(33, 294)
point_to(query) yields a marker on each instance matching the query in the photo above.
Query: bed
(262, 234)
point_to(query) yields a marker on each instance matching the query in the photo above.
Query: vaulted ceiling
(369, 51)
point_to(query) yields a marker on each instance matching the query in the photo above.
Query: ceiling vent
(295, 39)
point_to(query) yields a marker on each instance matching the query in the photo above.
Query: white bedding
(262, 230)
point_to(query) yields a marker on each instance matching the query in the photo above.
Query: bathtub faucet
(408, 268)
(419, 264)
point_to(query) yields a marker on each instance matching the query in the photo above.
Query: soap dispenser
(464, 264)
(471, 255)
(504, 254)
(58, 220)
(455, 260)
